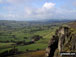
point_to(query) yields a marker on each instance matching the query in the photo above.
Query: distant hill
(26, 23)
(72, 24)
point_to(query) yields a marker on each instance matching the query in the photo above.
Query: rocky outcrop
(63, 41)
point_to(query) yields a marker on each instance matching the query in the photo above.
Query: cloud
(0, 1)
(74, 3)
(48, 5)
(20, 2)
(44, 12)
(47, 11)
(41, 13)
(11, 17)
(15, 1)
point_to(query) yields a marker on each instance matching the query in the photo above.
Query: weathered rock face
(63, 41)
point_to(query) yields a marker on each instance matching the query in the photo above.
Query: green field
(11, 34)
(41, 44)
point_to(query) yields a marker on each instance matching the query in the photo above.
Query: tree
(25, 37)
(14, 36)
(37, 37)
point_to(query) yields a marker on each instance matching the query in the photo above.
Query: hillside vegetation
(25, 36)
(63, 41)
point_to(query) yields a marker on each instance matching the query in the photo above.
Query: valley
(25, 36)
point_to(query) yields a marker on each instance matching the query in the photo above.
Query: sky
(37, 9)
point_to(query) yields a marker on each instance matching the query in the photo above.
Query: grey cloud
(51, 13)
(45, 12)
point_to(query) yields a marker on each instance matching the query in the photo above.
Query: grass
(40, 53)
(32, 47)
(41, 44)
(26, 32)
(5, 46)
(3, 50)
